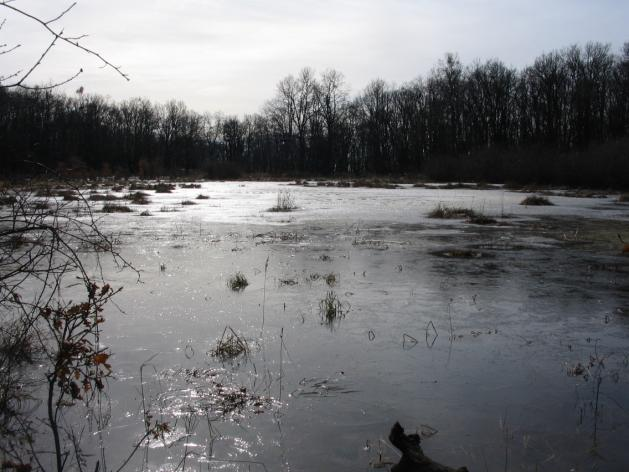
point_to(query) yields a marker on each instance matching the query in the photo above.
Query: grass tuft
(446, 212)
(536, 200)
(138, 198)
(230, 346)
(115, 208)
(168, 209)
(285, 202)
(331, 308)
(102, 197)
(237, 282)
(164, 188)
(480, 219)
(330, 279)
(7, 200)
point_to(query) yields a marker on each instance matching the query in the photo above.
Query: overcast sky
(228, 55)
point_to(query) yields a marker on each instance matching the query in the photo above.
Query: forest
(563, 120)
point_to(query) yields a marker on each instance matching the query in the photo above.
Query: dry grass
(168, 209)
(163, 188)
(331, 308)
(480, 219)
(230, 345)
(138, 198)
(445, 212)
(237, 282)
(102, 197)
(536, 200)
(285, 202)
(7, 200)
(115, 208)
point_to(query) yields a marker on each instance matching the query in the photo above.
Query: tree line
(563, 119)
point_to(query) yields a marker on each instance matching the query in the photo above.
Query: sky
(228, 55)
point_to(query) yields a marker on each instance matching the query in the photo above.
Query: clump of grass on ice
(447, 212)
(330, 279)
(481, 219)
(115, 208)
(536, 200)
(138, 198)
(237, 282)
(285, 202)
(230, 345)
(102, 197)
(331, 308)
(168, 209)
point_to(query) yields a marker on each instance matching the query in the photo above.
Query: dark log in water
(413, 458)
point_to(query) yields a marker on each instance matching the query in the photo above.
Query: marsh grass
(163, 187)
(102, 197)
(7, 200)
(330, 279)
(160, 187)
(202, 197)
(237, 282)
(230, 345)
(69, 196)
(138, 198)
(285, 202)
(331, 308)
(460, 253)
(190, 185)
(115, 208)
(536, 200)
(288, 281)
(188, 202)
(371, 244)
(168, 209)
(481, 219)
(40, 206)
(446, 212)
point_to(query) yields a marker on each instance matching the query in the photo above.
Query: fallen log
(413, 458)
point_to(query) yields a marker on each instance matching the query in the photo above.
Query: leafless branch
(57, 36)
(61, 15)
(8, 50)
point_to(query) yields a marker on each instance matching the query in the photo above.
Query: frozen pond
(505, 345)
